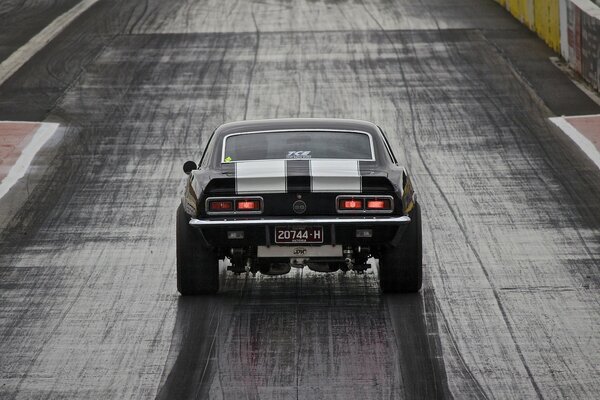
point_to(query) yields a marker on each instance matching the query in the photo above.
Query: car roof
(297, 124)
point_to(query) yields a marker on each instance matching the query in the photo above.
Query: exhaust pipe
(348, 254)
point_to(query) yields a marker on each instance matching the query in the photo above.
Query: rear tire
(197, 265)
(401, 267)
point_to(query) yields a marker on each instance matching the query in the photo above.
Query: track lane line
(24, 53)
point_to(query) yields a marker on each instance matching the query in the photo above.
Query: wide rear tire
(197, 265)
(401, 267)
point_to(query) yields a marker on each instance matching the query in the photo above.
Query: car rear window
(297, 145)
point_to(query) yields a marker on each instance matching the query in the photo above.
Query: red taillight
(247, 205)
(351, 204)
(379, 204)
(234, 205)
(365, 204)
(220, 205)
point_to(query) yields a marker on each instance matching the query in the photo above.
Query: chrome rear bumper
(378, 220)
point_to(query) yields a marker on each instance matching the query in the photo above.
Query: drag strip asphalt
(511, 210)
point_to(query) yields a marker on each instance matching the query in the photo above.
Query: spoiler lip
(375, 220)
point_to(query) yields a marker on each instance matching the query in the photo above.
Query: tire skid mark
(455, 215)
(140, 17)
(49, 336)
(413, 320)
(459, 220)
(413, 130)
(455, 350)
(461, 225)
(455, 53)
(254, 60)
(546, 127)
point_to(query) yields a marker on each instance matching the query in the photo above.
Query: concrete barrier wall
(547, 22)
(541, 16)
(570, 27)
(523, 10)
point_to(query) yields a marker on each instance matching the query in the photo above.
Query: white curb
(584, 143)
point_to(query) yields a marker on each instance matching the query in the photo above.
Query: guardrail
(569, 27)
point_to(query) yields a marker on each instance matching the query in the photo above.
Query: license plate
(305, 234)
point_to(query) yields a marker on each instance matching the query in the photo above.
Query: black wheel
(401, 267)
(197, 266)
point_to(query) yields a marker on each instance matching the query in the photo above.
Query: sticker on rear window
(298, 154)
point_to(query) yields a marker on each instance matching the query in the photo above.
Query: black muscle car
(275, 194)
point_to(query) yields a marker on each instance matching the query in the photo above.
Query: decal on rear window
(298, 154)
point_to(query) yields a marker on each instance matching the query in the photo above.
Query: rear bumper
(358, 221)
(336, 230)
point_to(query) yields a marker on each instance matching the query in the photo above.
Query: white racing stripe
(16, 60)
(267, 176)
(17, 171)
(270, 176)
(335, 176)
(584, 143)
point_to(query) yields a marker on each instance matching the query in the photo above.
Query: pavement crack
(251, 74)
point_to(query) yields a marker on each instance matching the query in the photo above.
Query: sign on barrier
(574, 32)
(590, 48)
(583, 19)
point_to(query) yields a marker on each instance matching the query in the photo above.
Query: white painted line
(584, 143)
(24, 53)
(17, 171)
(581, 116)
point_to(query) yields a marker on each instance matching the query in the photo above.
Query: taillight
(220, 205)
(351, 204)
(234, 205)
(365, 204)
(379, 204)
(247, 205)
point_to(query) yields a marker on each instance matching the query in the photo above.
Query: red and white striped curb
(19, 142)
(584, 130)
